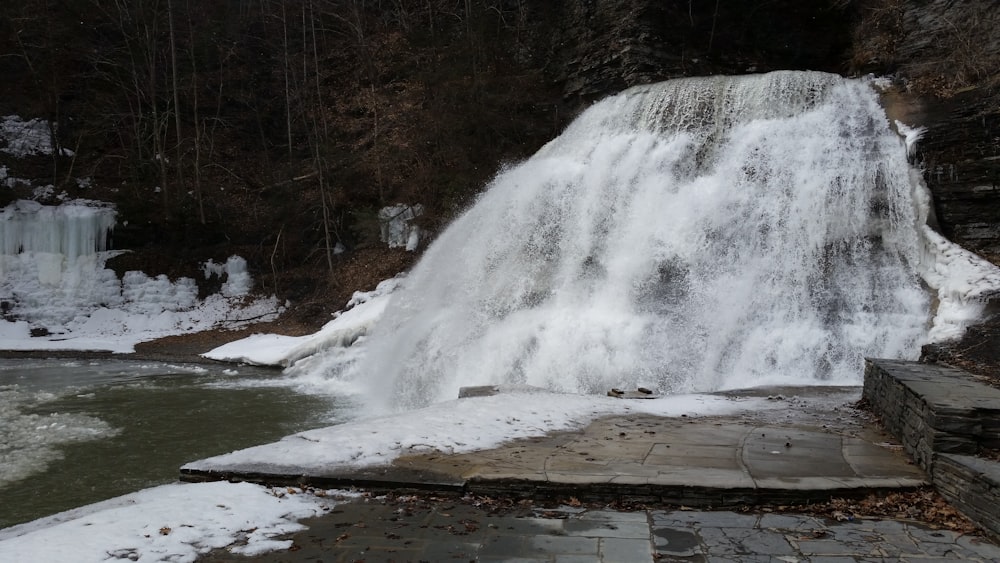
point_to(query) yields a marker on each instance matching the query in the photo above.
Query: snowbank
(363, 311)
(167, 523)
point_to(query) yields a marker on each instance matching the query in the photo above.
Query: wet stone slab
(727, 536)
(411, 529)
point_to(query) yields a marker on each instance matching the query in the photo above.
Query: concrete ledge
(376, 479)
(409, 482)
(943, 417)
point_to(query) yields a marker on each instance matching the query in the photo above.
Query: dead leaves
(925, 505)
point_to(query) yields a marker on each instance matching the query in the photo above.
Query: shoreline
(183, 348)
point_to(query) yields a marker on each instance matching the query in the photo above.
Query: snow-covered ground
(168, 523)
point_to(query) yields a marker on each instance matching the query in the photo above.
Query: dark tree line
(299, 117)
(278, 128)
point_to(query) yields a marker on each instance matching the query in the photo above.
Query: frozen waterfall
(71, 230)
(51, 258)
(693, 235)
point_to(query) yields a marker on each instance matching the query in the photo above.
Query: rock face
(605, 46)
(960, 154)
(946, 53)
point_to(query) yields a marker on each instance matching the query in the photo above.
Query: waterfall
(693, 235)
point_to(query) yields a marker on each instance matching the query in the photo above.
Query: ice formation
(53, 279)
(349, 327)
(396, 228)
(238, 282)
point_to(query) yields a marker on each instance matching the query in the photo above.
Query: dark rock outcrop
(947, 55)
(960, 154)
(607, 45)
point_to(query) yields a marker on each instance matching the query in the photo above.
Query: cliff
(945, 56)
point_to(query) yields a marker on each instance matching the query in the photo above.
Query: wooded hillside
(277, 129)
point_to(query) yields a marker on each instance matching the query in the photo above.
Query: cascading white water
(691, 235)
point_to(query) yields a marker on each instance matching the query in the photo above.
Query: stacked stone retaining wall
(944, 418)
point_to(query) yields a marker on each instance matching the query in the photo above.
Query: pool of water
(77, 432)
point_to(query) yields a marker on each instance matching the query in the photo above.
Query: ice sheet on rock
(22, 138)
(965, 283)
(75, 228)
(53, 276)
(362, 312)
(396, 228)
(238, 282)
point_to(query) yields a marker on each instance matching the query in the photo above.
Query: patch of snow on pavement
(168, 523)
(457, 426)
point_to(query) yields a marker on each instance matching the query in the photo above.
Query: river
(80, 431)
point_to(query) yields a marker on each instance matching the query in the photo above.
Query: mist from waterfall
(692, 235)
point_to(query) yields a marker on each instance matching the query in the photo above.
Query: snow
(363, 311)
(167, 523)
(10, 181)
(457, 426)
(26, 138)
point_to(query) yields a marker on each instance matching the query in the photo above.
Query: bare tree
(178, 164)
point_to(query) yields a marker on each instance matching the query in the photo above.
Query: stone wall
(972, 484)
(944, 418)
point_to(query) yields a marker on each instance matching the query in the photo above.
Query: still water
(73, 432)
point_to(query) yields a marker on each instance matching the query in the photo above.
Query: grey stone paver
(620, 550)
(384, 529)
